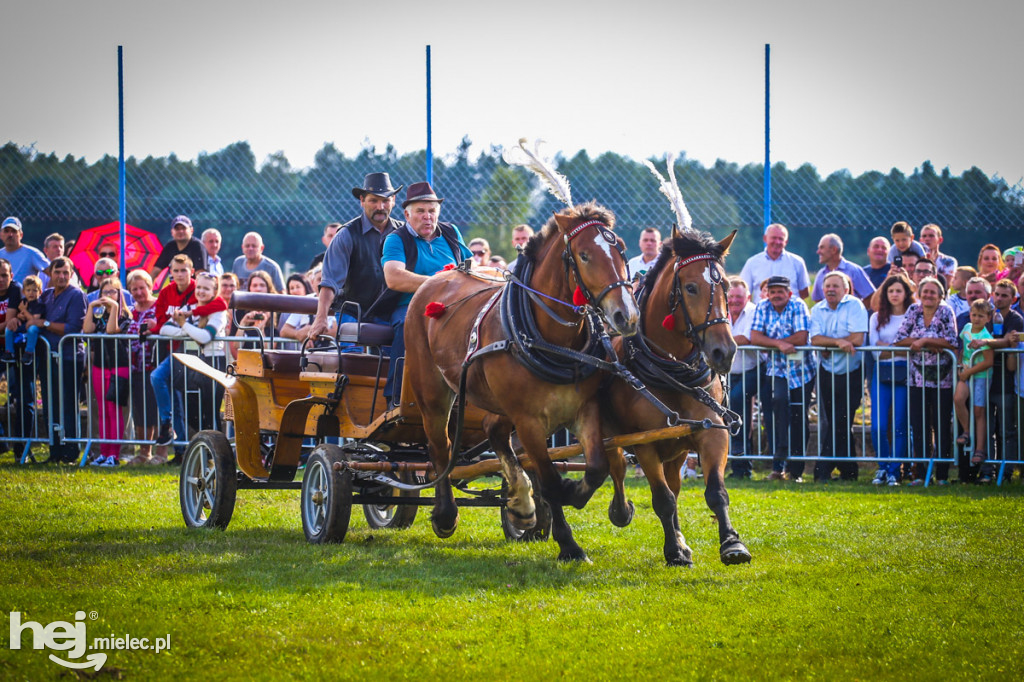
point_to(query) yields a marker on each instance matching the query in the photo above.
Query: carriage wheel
(542, 530)
(326, 501)
(208, 481)
(398, 516)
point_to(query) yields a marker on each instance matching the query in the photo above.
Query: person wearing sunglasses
(104, 268)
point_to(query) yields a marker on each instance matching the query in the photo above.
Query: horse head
(595, 260)
(689, 290)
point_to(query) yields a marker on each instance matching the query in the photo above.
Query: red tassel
(450, 266)
(578, 298)
(434, 309)
(669, 322)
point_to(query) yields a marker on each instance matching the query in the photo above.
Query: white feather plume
(670, 188)
(556, 183)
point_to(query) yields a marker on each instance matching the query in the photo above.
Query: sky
(857, 86)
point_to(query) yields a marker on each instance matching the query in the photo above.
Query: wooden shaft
(273, 303)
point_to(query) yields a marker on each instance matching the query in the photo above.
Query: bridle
(570, 261)
(696, 333)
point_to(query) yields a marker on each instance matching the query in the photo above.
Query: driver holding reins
(421, 248)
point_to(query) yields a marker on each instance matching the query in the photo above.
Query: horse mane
(579, 213)
(691, 243)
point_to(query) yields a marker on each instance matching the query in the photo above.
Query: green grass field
(848, 582)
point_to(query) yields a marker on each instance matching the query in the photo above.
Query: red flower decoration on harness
(450, 266)
(434, 309)
(669, 322)
(578, 298)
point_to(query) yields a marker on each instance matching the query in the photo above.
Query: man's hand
(316, 328)
(846, 346)
(786, 347)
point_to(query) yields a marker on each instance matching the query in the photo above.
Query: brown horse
(683, 317)
(575, 249)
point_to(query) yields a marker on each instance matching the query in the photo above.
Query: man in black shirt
(182, 242)
(352, 269)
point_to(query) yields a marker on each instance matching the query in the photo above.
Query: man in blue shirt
(774, 261)
(25, 260)
(830, 255)
(782, 323)
(432, 245)
(840, 322)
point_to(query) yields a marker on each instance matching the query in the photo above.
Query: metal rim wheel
(542, 530)
(326, 502)
(397, 516)
(208, 483)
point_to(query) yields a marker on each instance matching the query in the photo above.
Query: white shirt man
(211, 242)
(775, 261)
(650, 245)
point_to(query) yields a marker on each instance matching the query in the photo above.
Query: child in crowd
(204, 318)
(972, 386)
(31, 308)
(111, 360)
(958, 289)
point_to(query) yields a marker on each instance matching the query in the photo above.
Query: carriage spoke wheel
(326, 502)
(541, 530)
(207, 484)
(398, 516)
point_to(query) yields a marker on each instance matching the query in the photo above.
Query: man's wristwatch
(46, 323)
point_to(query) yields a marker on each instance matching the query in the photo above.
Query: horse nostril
(717, 356)
(620, 320)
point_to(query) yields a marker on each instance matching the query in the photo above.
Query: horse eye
(691, 289)
(584, 256)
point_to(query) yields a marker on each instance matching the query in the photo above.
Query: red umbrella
(141, 248)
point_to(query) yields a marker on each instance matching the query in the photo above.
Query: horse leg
(714, 449)
(435, 400)
(578, 493)
(520, 506)
(534, 441)
(677, 553)
(620, 510)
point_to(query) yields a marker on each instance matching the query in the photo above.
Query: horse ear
(727, 242)
(564, 222)
(676, 234)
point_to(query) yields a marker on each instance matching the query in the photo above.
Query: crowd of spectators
(940, 325)
(954, 322)
(117, 362)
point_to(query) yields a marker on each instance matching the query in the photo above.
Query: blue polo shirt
(431, 256)
(862, 286)
(69, 309)
(849, 317)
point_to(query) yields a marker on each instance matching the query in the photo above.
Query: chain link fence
(234, 192)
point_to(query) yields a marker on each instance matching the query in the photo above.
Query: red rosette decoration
(450, 266)
(669, 322)
(578, 298)
(434, 309)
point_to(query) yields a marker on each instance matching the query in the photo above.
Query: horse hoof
(734, 552)
(621, 516)
(443, 532)
(679, 560)
(521, 521)
(575, 555)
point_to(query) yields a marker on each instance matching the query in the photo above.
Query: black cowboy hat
(420, 191)
(378, 184)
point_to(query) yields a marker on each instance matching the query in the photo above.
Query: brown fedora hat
(420, 191)
(378, 184)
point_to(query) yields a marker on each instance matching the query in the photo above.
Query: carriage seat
(366, 334)
(351, 364)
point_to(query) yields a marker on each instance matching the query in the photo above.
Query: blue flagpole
(767, 138)
(122, 200)
(430, 152)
